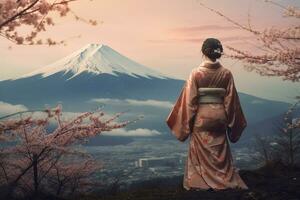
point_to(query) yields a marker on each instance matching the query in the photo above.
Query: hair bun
(212, 48)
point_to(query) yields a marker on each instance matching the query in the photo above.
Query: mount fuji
(93, 71)
(96, 59)
(98, 74)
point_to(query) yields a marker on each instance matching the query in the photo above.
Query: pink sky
(165, 35)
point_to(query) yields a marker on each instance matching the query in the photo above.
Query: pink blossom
(53, 153)
(32, 14)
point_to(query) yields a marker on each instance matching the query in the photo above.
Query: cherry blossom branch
(18, 14)
(280, 54)
(45, 151)
(229, 19)
(33, 14)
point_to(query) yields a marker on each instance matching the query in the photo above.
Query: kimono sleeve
(236, 118)
(181, 117)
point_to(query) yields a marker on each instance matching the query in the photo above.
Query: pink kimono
(209, 163)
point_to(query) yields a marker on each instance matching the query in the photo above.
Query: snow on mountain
(96, 59)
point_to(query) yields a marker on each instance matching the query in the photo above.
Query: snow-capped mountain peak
(96, 59)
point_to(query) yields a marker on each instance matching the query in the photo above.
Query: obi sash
(211, 95)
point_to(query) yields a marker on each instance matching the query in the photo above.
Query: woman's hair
(212, 48)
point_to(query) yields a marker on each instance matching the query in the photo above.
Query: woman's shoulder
(202, 68)
(226, 71)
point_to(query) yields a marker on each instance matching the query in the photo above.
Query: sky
(165, 35)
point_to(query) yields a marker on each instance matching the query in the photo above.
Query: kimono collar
(210, 64)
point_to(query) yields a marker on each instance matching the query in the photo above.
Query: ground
(276, 182)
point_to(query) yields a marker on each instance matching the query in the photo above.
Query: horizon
(159, 35)
(286, 88)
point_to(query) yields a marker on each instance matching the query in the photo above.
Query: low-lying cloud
(7, 108)
(134, 102)
(140, 132)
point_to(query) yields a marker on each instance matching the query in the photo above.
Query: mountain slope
(36, 91)
(96, 59)
(93, 71)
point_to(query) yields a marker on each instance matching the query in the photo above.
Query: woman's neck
(209, 64)
(207, 60)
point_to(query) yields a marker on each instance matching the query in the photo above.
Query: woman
(208, 110)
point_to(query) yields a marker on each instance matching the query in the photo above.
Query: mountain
(99, 72)
(92, 72)
(96, 59)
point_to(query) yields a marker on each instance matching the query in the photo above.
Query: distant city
(147, 158)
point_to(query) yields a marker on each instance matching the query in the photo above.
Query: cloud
(108, 101)
(7, 108)
(191, 34)
(201, 40)
(203, 28)
(149, 102)
(140, 132)
(222, 39)
(256, 101)
(134, 102)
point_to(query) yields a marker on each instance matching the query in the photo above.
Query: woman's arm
(236, 119)
(180, 119)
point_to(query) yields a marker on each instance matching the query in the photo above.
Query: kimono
(209, 162)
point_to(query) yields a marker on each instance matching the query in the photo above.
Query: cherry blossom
(39, 152)
(279, 48)
(15, 15)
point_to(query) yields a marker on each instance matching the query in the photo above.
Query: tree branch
(18, 14)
